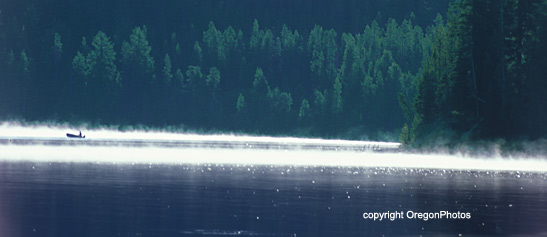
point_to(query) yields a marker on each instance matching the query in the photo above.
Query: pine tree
(104, 78)
(167, 75)
(138, 75)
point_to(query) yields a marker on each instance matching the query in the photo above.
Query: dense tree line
(486, 74)
(115, 62)
(280, 66)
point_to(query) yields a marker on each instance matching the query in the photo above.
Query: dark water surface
(92, 199)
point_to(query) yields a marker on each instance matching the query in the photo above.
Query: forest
(471, 69)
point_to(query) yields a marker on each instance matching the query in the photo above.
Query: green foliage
(167, 75)
(267, 42)
(337, 97)
(137, 50)
(104, 78)
(240, 103)
(213, 40)
(213, 79)
(80, 65)
(323, 47)
(24, 70)
(198, 52)
(256, 36)
(320, 103)
(260, 84)
(57, 43)
(194, 77)
(476, 70)
(179, 79)
(138, 74)
(469, 82)
(304, 112)
(281, 101)
(289, 40)
(436, 86)
(101, 59)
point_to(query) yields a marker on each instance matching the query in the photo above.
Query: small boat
(70, 135)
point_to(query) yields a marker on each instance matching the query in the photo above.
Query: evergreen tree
(304, 111)
(213, 79)
(240, 103)
(167, 75)
(337, 97)
(137, 74)
(103, 83)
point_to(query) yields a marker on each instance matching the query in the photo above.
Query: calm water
(62, 198)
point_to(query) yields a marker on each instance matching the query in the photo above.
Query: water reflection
(158, 199)
(146, 184)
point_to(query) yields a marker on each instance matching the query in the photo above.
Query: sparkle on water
(155, 155)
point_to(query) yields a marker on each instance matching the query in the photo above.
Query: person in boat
(75, 136)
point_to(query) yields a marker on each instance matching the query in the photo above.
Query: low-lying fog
(193, 155)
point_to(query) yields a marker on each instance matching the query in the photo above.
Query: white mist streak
(158, 155)
(144, 154)
(46, 132)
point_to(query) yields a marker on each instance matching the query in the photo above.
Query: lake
(79, 190)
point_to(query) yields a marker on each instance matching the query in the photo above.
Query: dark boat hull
(70, 135)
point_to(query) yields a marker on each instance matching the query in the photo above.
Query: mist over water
(105, 145)
(262, 157)
(165, 184)
(7, 130)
